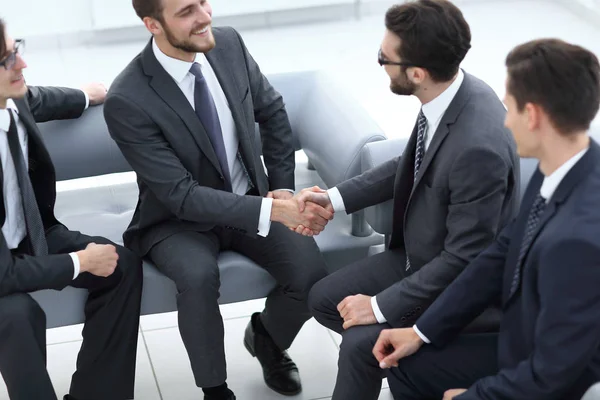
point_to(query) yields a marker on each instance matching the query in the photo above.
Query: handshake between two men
(306, 213)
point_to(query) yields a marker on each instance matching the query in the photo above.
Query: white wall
(39, 17)
(46, 17)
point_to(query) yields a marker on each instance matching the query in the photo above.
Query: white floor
(348, 50)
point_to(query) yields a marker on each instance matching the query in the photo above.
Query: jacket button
(418, 308)
(403, 319)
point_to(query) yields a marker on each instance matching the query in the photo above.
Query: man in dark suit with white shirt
(544, 267)
(38, 252)
(453, 189)
(183, 113)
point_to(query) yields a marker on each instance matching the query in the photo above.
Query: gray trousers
(359, 375)
(190, 260)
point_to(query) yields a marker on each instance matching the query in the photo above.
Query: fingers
(315, 189)
(270, 195)
(391, 360)
(381, 348)
(349, 324)
(301, 199)
(341, 307)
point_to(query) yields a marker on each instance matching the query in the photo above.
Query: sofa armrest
(373, 154)
(332, 129)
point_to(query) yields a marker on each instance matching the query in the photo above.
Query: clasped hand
(307, 213)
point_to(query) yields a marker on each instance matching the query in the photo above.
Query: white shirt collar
(435, 109)
(5, 117)
(178, 69)
(552, 181)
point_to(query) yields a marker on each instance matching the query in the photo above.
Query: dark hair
(148, 8)
(562, 78)
(434, 36)
(2, 39)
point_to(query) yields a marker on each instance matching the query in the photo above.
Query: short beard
(403, 86)
(184, 45)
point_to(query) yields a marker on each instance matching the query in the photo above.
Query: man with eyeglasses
(38, 252)
(454, 188)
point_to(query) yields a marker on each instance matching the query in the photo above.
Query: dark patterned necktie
(421, 137)
(207, 113)
(33, 219)
(419, 154)
(533, 220)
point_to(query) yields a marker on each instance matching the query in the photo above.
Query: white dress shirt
(180, 72)
(434, 111)
(15, 228)
(549, 186)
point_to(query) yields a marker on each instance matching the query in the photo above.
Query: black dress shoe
(279, 371)
(229, 396)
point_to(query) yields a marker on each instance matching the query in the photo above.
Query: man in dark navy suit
(544, 267)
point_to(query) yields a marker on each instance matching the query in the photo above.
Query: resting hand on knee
(450, 394)
(357, 310)
(98, 259)
(395, 344)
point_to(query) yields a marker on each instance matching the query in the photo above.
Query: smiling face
(12, 82)
(186, 25)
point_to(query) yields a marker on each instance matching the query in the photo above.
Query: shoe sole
(253, 354)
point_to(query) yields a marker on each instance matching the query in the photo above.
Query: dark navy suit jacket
(549, 340)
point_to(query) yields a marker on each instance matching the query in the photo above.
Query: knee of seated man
(129, 262)
(306, 280)
(20, 310)
(319, 300)
(360, 340)
(202, 277)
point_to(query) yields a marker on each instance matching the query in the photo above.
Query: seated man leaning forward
(38, 252)
(183, 112)
(544, 267)
(454, 188)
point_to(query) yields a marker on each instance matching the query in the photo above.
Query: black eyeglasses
(10, 60)
(382, 61)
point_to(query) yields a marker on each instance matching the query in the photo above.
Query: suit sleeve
(54, 103)
(567, 333)
(152, 158)
(24, 274)
(274, 124)
(478, 287)
(479, 182)
(370, 188)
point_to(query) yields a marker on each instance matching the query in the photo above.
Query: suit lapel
(33, 136)
(402, 190)
(449, 117)
(226, 78)
(564, 189)
(164, 85)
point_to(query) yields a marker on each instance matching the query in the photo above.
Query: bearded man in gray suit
(183, 113)
(454, 188)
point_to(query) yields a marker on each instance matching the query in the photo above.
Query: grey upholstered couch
(327, 124)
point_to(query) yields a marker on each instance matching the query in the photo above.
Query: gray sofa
(327, 124)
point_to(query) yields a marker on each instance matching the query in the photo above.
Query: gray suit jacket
(466, 192)
(180, 180)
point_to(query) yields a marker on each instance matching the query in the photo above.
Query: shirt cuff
(336, 199)
(264, 220)
(423, 337)
(378, 314)
(76, 265)
(87, 100)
